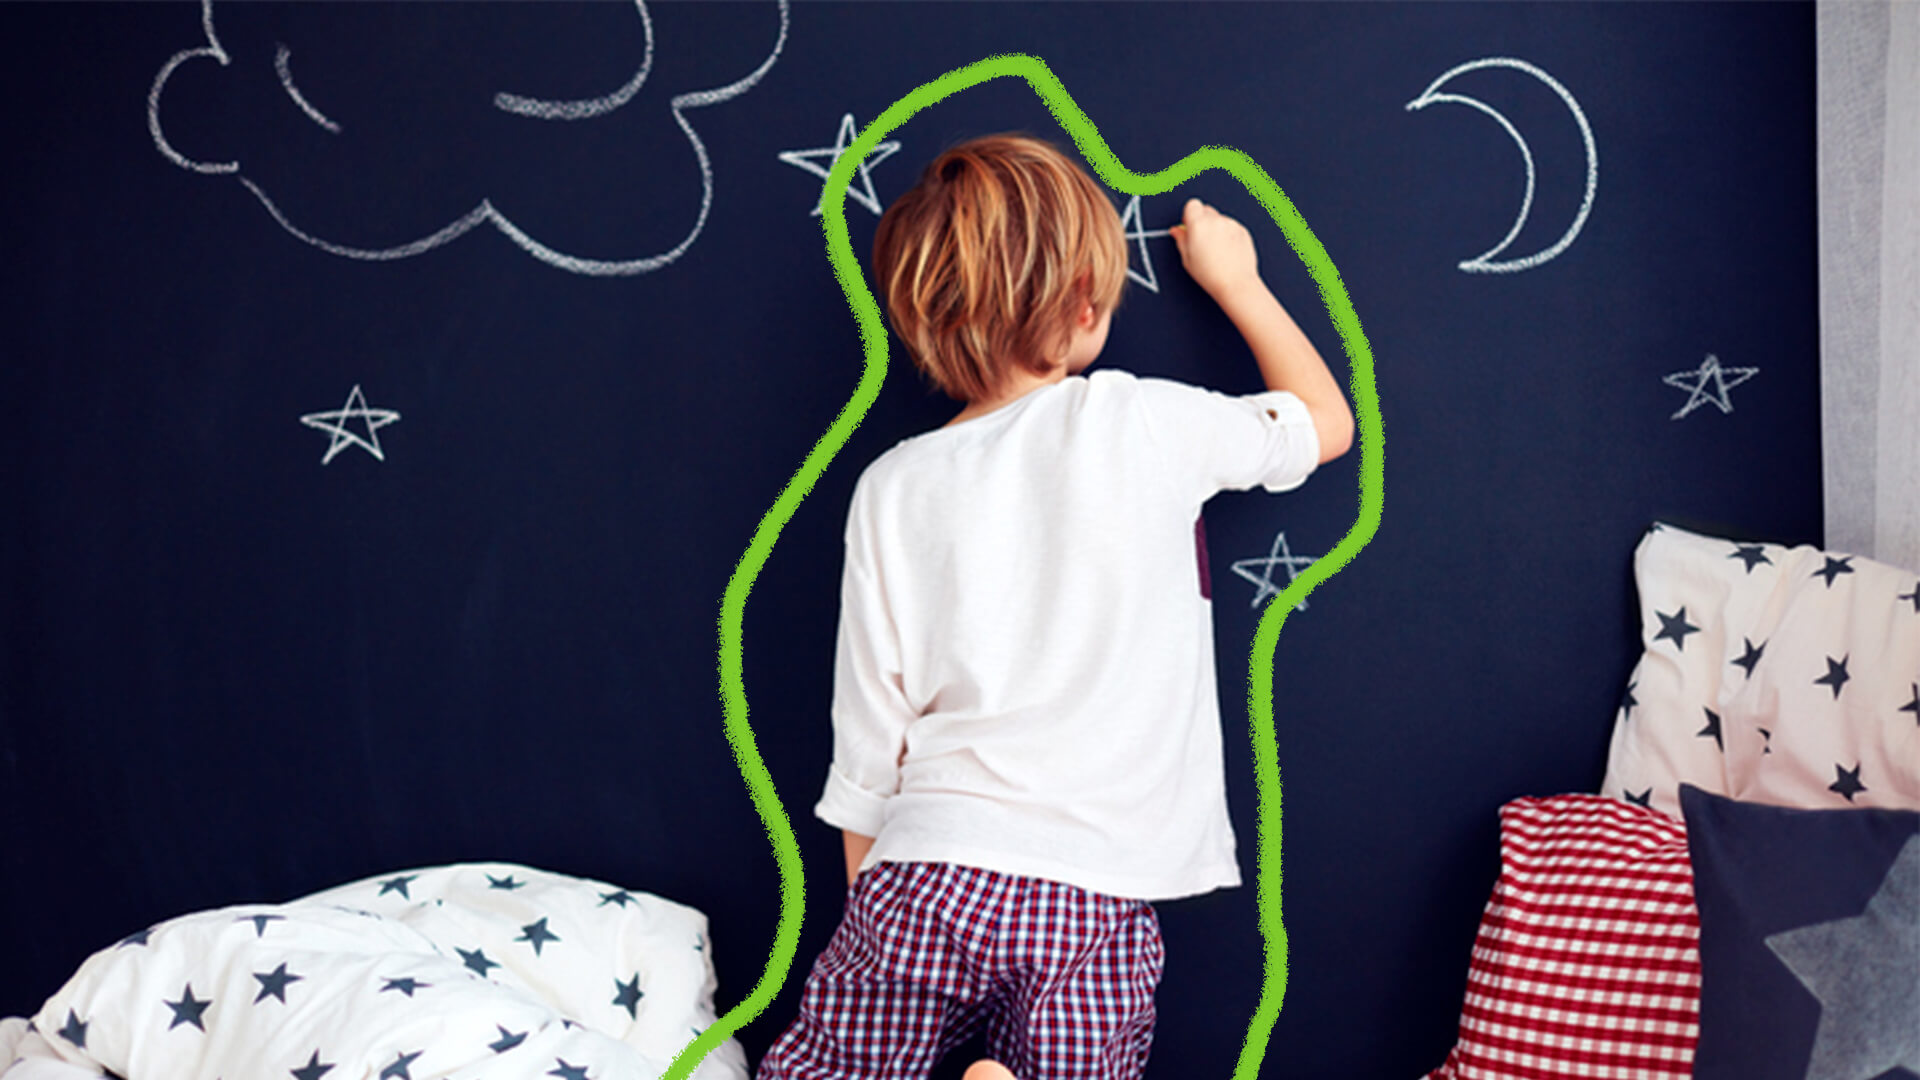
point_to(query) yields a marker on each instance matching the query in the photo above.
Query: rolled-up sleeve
(1218, 442)
(870, 707)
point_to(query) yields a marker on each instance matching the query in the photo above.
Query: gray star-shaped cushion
(1809, 940)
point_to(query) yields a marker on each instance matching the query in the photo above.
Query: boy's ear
(1083, 288)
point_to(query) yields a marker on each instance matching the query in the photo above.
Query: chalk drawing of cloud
(485, 212)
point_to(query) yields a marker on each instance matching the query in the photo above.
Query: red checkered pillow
(1588, 959)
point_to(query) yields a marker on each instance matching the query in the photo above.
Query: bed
(1741, 899)
(472, 970)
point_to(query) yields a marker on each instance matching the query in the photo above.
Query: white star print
(1695, 383)
(861, 187)
(334, 423)
(1279, 555)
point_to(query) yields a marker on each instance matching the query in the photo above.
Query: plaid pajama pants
(926, 953)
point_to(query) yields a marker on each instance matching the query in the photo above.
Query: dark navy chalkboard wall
(233, 667)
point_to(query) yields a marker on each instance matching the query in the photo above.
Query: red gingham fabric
(1062, 978)
(1588, 959)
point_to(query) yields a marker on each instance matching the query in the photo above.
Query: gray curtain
(1869, 136)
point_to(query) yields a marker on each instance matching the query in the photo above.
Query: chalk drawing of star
(1138, 235)
(1695, 384)
(1278, 555)
(861, 187)
(334, 423)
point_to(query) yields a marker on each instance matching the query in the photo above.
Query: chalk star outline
(1278, 555)
(334, 423)
(1137, 234)
(1697, 393)
(865, 196)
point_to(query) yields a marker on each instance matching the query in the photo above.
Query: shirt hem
(1195, 881)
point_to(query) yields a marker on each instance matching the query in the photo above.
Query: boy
(1027, 745)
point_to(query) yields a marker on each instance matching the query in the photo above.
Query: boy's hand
(1216, 250)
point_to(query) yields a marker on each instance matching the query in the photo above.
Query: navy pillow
(1809, 940)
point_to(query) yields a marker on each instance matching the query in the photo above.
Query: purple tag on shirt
(1200, 550)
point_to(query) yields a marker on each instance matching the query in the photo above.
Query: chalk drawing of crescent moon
(1484, 263)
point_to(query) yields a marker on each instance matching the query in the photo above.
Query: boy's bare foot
(987, 1070)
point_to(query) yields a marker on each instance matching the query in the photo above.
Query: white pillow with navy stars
(1669, 728)
(1829, 714)
(1770, 674)
(471, 971)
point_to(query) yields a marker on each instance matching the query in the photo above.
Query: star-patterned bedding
(1788, 676)
(461, 972)
(1741, 903)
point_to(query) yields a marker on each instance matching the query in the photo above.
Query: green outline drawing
(873, 337)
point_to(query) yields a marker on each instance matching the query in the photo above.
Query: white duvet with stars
(493, 970)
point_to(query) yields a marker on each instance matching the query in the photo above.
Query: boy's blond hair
(987, 260)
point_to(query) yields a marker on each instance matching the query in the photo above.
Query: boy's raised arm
(1218, 252)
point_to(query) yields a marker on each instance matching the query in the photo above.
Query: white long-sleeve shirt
(1024, 677)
